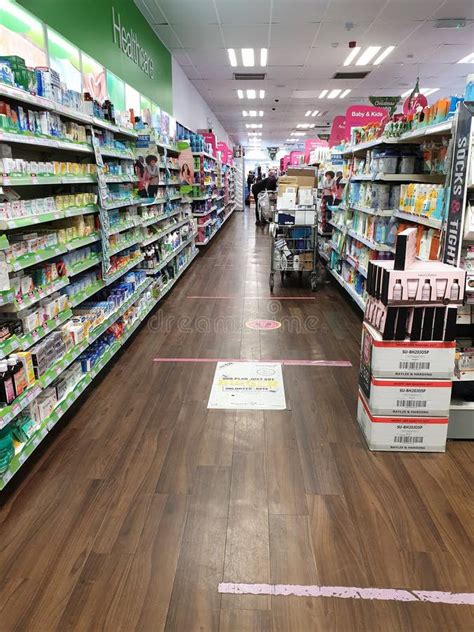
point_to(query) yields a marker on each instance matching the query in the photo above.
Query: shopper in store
(268, 184)
(153, 174)
(142, 176)
(337, 189)
(250, 181)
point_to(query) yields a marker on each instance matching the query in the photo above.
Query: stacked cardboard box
(407, 353)
(296, 189)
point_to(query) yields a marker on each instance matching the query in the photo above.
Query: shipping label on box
(425, 434)
(416, 398)
(404, 359)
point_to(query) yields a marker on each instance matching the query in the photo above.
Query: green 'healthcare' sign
(114, 33)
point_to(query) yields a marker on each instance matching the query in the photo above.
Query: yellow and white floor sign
(248, 386)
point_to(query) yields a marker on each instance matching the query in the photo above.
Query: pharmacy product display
(396, 178)
(212, 198)
(96, 229)
(407, 354)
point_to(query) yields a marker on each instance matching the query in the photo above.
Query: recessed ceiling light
(245, 113)
(386, 53)
(291, 140)
(263, 56)
(254, 125)
(305, 125)
(262, 94)
(260, 113)
(232, 56)
(251, 94)
(334, 93)
(253, 113)
(323, 94)
(255, 133)
(248, 57)
(298, 134)
(354, 52)
(368, 55)
(344, 94)
(425, 91)
(469, 59)
(240, 94)
(308, 113)
(315, 113)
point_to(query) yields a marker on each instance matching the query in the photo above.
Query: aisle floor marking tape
(259, 298)
(349, 592)
(343, 363)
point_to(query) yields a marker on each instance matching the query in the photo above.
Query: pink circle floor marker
(263, 324)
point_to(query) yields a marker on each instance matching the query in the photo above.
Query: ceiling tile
(244, 11)
(206, 36)
(299, 11)
(187, 11)
(167, 36)
(250, 36)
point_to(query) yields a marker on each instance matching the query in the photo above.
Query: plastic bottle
(426, 291)
(455, 291)
(397, 290)
(469, 89)
(7, 390)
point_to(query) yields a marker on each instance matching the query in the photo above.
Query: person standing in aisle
(268, 184)
(250, 181)
(337, 189)
(259, 174)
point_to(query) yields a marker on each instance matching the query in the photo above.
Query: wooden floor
(144, 501)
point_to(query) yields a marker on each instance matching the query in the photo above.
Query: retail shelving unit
(214, 202)
(108, 250)
(346, 240)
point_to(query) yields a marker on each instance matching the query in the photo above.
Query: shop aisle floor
(135, 509)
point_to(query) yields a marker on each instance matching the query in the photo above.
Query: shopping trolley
(294, 245)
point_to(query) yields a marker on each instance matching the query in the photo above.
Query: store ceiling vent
(361, 74)
(450, 23)
(249, 76)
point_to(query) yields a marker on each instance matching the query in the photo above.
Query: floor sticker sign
(248, 386)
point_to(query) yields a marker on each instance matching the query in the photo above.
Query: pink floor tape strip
(259, 298)
(284, 362)
(349, 592)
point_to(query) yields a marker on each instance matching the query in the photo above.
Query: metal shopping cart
(294, 245)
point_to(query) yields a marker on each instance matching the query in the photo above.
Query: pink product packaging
(404, 433)
(425, 282)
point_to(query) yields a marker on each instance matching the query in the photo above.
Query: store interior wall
(190, 109)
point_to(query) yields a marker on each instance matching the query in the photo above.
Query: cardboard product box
(397, 434)
(305, 196)
(286, 219)
(310, 218)
(300, 218)
(413, 398)
(286, 199)
(304, 177)
(290, 180)
(404, 358)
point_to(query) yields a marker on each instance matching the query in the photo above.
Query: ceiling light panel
(248, 57)
(298, 134)
(323, 94)
(254, 125)
(251, 94)
(368, 55)
(425, 91)
(334, 93)
(255, 133)
(352, 55)
(344, 94)
(382, 56)
(305, 125)
(364, 56)
(232, 56)
(315, 113)
(469, 59)
(240, 94)
(308, 113)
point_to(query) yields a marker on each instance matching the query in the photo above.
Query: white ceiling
(307, 43)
